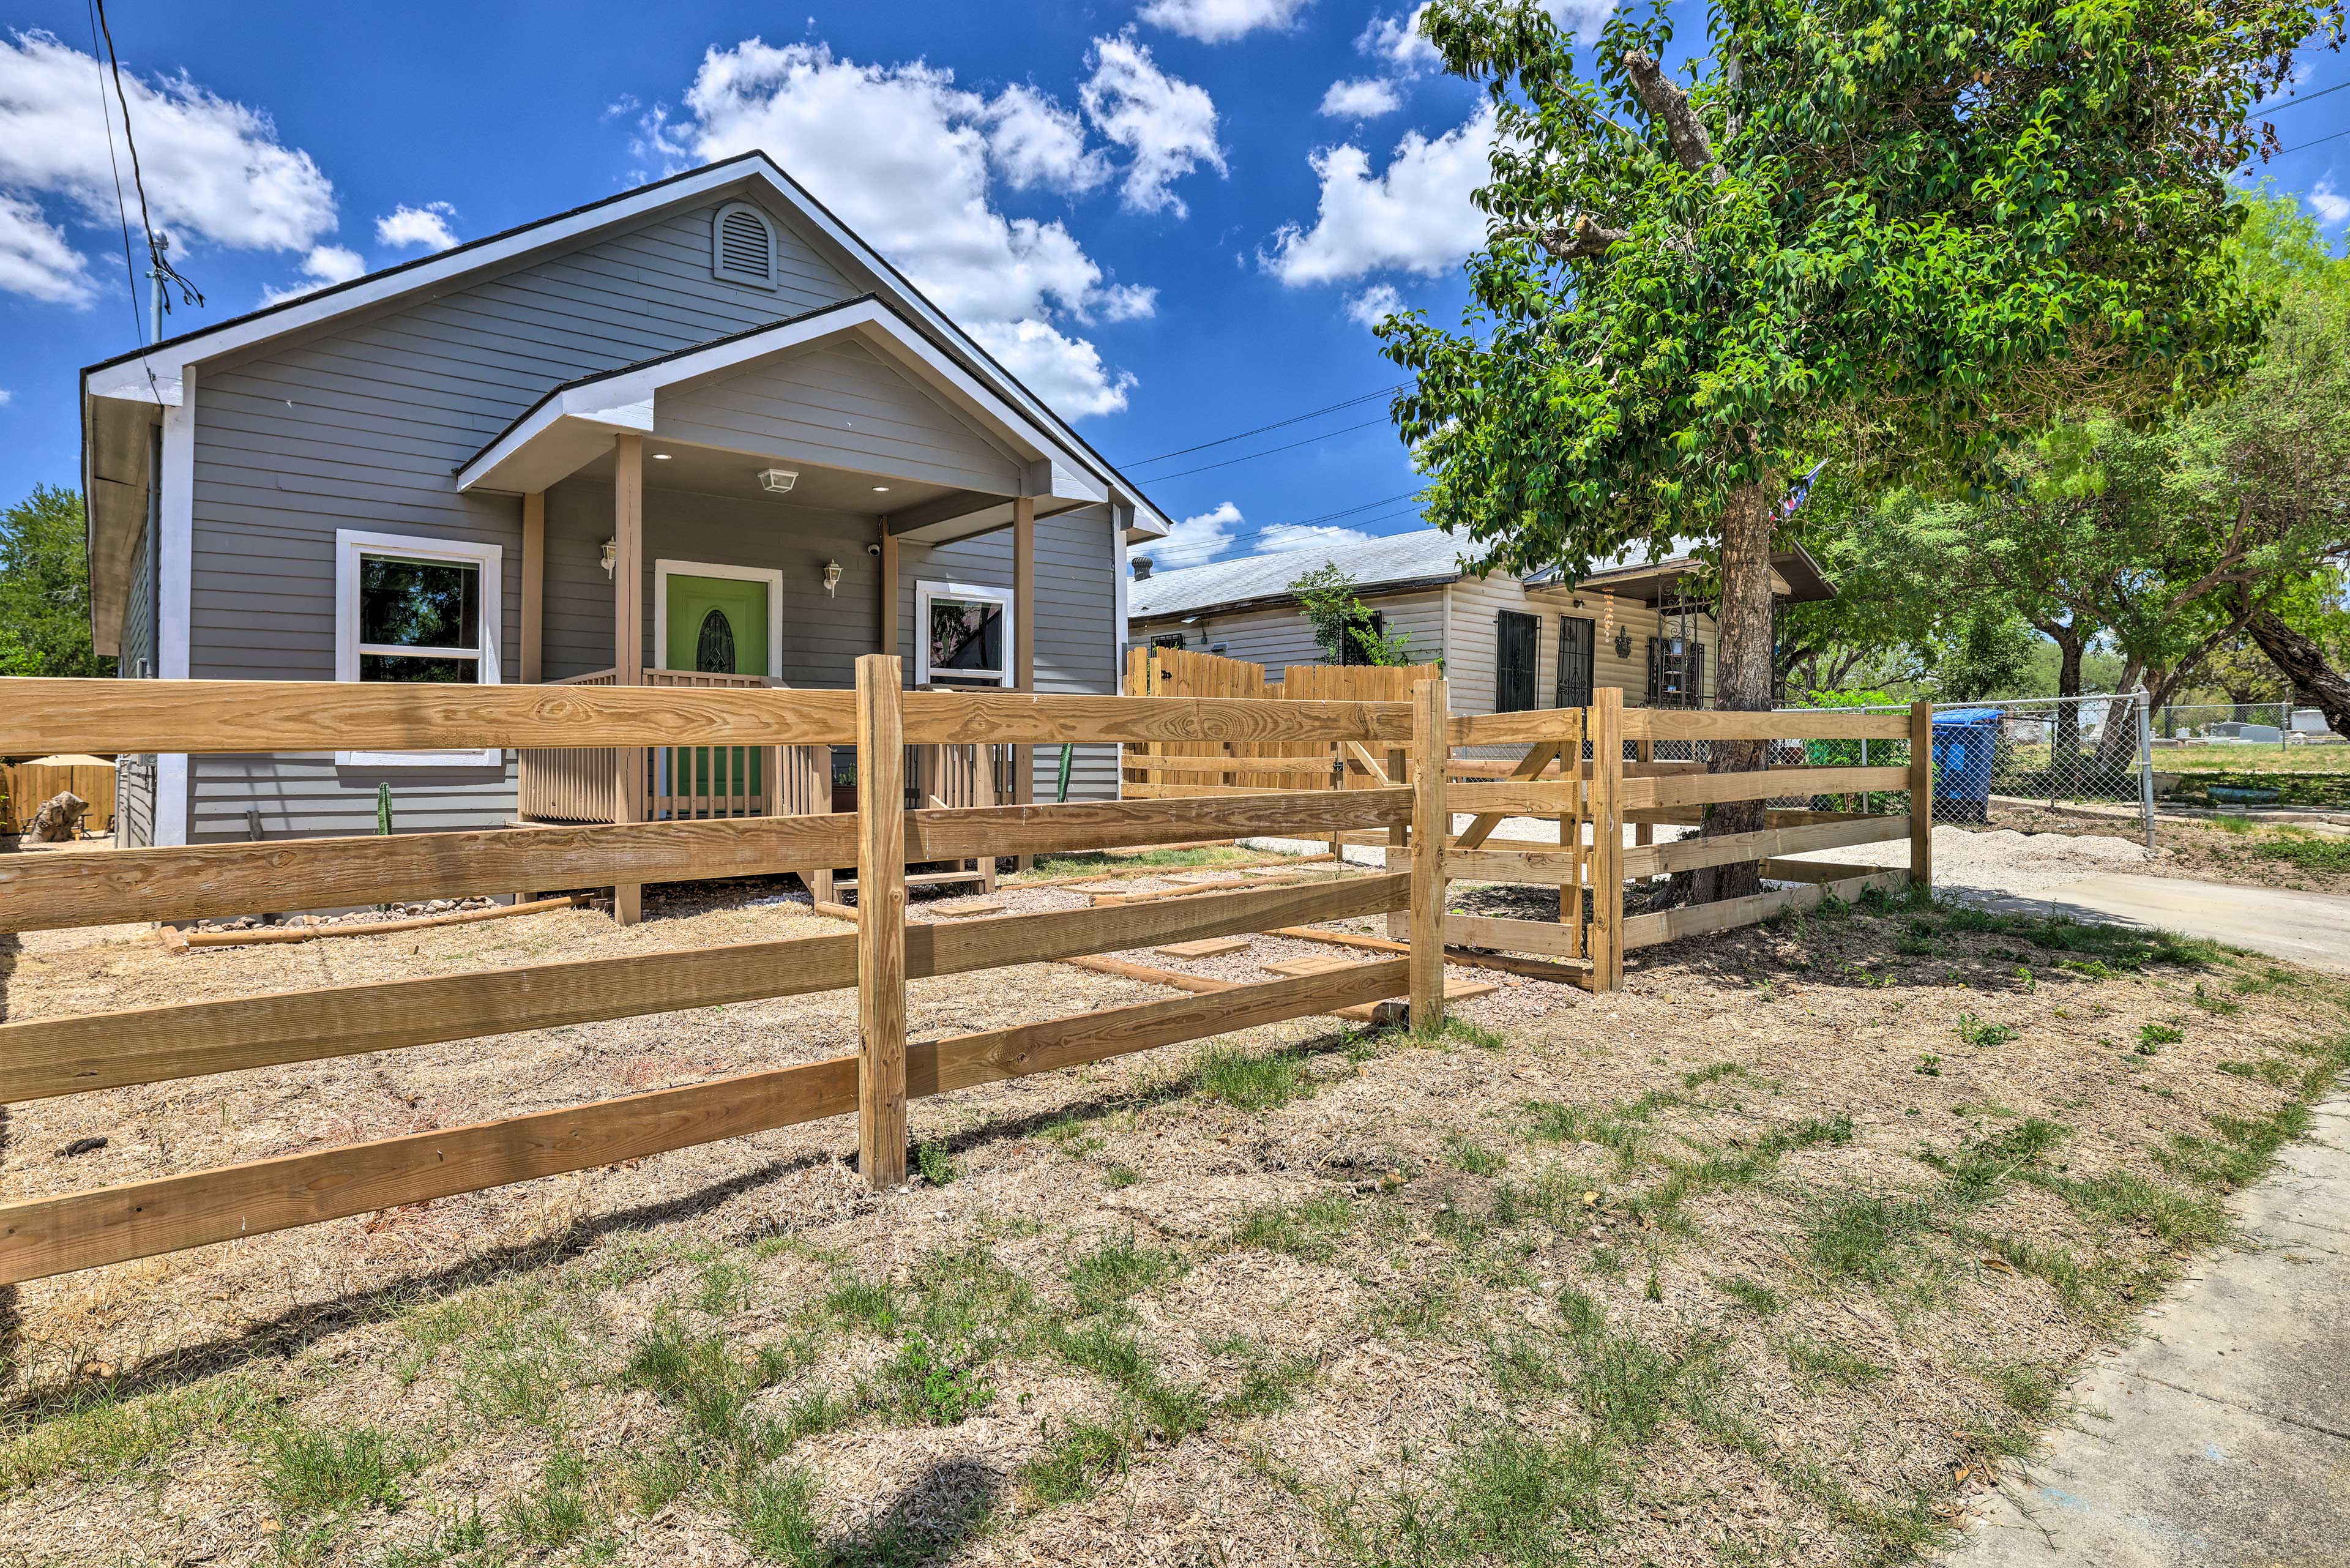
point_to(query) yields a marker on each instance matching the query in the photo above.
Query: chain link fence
(2280, 725)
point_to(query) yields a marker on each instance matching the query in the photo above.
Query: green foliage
(45, 588)
(1341, 625)
(1250, 1083)
(1904, 241)
(933, 1164)
(1978, 1034)
(318, 1471)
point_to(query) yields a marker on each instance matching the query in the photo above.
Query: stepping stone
(1206, 947)
(1321, 963)
(959, 908)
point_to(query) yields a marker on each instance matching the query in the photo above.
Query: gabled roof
(154, 376)
(575, 421)
(1425, 558)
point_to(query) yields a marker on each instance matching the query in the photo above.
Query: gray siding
(1277, 636)
(363, 426)
(134, 803)
(137, 658)
(841, 405)
(1077, 557)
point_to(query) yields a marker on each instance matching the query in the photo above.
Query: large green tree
(1899, 234)
(45, 588)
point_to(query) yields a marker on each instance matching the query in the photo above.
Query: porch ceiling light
(831, 575)
(776, 481)
(880, 488)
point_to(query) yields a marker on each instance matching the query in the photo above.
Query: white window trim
(771, 575)
(925, 592)
(350, 543)
(718, 268)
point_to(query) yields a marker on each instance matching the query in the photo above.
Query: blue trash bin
(1966, 748)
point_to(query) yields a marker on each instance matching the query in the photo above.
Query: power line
(189, 293)
(122, 212)
(2304, 98)
(1268, 451)
(1260, 430)
(2298, 146)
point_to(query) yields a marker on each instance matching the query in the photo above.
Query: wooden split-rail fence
(79, 1054)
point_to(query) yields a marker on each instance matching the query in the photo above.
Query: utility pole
(158, 245)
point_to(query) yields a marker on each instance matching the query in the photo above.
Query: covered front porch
(759, 514)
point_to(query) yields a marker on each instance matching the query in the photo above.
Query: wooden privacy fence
(76, 1053)
(1165, 769)
(25, 786)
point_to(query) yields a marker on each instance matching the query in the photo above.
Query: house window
(416, 611)
(1516, 645)
(743, 246)
(1575, 661)
(1172, 639)
(966, 635)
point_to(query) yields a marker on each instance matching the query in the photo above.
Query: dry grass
(1744, 1265)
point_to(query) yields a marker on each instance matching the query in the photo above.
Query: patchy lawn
(1772, 1258)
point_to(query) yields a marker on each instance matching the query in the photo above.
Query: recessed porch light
(879, 488)
(660, 457)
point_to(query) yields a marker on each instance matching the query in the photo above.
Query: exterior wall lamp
(831, 577)
(610, 555)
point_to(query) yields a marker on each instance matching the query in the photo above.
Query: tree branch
(1577, 241)
(1669, 106)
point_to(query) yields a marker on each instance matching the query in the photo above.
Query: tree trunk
(2303, 663)
(1742, 676)
(2065, 759)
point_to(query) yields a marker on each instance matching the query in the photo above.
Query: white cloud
(904, 157)
(323, 265)
(1221, 21)
(1168, 124)
(1036, 141)
(1364, 97)
(1397, 40)
(1416, 217)
(1193, 540)
(2330, 204)
(36, 261)
(6, 397)
(214, 169)
(1284, 537)
(1374, 305)
(427, 226)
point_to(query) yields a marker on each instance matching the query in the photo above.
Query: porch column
(628, 642)
(534, 584)
(534, 617)
(1024, 642)
(888, 637)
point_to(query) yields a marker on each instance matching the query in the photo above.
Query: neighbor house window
(743, 246)
(416, 611)
(966, 634)
(1517, 640)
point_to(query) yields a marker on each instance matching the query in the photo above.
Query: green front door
(717, 626)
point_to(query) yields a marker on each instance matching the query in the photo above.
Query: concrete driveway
(2311, 928)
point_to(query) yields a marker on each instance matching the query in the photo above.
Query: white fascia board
(170, 360)
(129, 383)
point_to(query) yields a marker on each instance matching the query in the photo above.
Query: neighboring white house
(1506, 643)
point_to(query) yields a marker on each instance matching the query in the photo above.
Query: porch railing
(680, 782)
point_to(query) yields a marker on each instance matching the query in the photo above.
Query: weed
(1465, 1153)
(931, 1160)
(1120, 1176)
(695, 1374)
(2029, 1391)
(2211, 1002)
(2274, 1070)
(1119, 1269)
(2151, 1035)
(104, 1437)
(1984, 1166)
(862, 1303)
(1469, 1033)
(559, 1511)
(1073, 1138)
(1174, 1412)
(1982, 1035)
(1929, 1065)
(726, 1288)
(309, 1470)
(1250, 1083)
(940, 1384)
(776, 1513)
(2174, 1218)
(1760, 1300)
(2306, 851)
(1504, 1498)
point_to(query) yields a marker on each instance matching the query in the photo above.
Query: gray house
(1506, 643)
(699, 433)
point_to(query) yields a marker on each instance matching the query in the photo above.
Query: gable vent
(743, 248)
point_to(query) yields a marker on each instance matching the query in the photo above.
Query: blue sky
(1172, 217)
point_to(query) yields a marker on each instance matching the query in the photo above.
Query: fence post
(880, 920)
(2146, 760)
(1922, 794)
(1432, 830)
(1607, 944)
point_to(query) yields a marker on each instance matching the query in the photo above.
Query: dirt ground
(2234, 850)
(1772, 1257)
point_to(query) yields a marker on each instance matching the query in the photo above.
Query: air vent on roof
(743, 246)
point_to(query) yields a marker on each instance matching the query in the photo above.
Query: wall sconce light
(831, 575)
(1623, 642)
(611, 555)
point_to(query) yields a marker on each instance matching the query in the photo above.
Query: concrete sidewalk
(2222, 1435)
